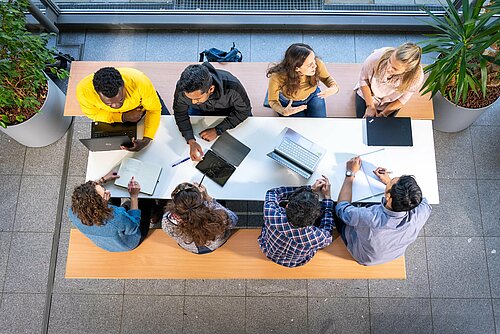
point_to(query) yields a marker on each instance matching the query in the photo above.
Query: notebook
(109, 137)
(297, 153)
(220, 162)
(389, 131)
(147, 174)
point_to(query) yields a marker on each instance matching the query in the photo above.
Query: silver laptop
(297, 153)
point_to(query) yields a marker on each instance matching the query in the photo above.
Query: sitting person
(109, 227)
(203, 90)
(293, 84)
(388, 79)
(381, 232)
(122, 95)
(196, 221)
(289, 236)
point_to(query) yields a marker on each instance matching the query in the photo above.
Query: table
(343, 138)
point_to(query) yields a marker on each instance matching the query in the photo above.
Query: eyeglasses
(182, 187)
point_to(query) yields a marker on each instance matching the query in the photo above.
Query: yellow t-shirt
(278, 81)
(138, 91)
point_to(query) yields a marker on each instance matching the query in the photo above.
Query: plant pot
(449, 117)
(45, 127)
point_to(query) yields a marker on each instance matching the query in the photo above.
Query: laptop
(220, 162)
(110, 136)
(297, 153)
(390, 131)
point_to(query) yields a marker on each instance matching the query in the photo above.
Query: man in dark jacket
(205, 91)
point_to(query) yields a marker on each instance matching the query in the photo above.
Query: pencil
(202, 179)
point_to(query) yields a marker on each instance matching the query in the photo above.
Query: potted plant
(464, 78)
(31, 105)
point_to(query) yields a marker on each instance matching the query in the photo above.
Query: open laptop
(297, 153)
(110, 136)
(390, 131)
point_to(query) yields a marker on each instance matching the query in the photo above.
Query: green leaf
(20, 118)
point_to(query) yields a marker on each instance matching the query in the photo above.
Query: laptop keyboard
(290, 165)
(297, 153)
(130, 134)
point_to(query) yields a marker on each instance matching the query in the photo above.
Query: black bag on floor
(216, 55)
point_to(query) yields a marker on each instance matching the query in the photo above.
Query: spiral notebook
(147, 174)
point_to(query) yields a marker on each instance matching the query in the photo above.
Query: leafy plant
(462, 63)
(23, 59)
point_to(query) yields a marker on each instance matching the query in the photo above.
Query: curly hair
(195, 77)
(405, 194)
(295, 56)
(89, 206)
(303, 208)
(108, 81)
(198, 222)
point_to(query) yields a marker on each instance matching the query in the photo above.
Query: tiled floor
(453, 267)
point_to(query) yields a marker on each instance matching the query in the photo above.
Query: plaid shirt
(285, 244)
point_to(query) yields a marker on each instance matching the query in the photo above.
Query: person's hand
(370, 112)
(323, 187)
(329, 91)
(137, 144)
(112, 175)
(133, 115)
(289, 110)
(354, 165)
(203, 191)
(208, 134)
(195, 151)
(382, 174)
(134, 187)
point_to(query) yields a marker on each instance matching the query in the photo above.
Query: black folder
(390, 131)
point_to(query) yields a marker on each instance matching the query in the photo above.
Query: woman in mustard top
(293, 83)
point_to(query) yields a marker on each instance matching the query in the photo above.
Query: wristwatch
(349, 173)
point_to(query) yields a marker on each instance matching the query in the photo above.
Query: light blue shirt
(376, 234)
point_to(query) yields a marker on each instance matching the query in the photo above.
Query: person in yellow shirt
(293, 83)
(114, 95)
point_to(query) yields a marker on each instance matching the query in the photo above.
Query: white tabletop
(343, 138)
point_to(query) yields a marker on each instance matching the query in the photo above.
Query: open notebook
(147, 174)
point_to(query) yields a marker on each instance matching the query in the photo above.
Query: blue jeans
(316, 106)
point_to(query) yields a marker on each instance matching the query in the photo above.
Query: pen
(203, 178)
(385, 172)
(179, 162)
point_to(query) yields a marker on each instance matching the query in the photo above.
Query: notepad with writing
(147, 174)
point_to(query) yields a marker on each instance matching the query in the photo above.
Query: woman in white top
(388, 79)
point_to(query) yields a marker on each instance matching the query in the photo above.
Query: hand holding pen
(383, 174)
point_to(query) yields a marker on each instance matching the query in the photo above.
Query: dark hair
(405, 194)
(198, 222)
(89, 206)
(195, 77)
(303, 208)
(295, 56)
(107, 81)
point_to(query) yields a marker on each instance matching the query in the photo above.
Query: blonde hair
(410, 55)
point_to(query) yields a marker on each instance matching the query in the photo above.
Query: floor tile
(170, 287)
(9, 192)
(417, 281)
(71, 183)
(458, 213)
(489, 198)
(152, 314)
(271, 46)
(496, 311)
(28, 265)
(391, 315)
(462, 316)
(73, 38)
(172, 46)
(48, 160)
(486, 145)
(457, 267)
(86, 286)
(338, 315)
(337, 288)
(37, 204)
(454, 155)
(276, 315)
(282, 288)
(489, 117)
(366, 43)
(331, 47)
(11, 155)
(214, 315)
(116, 45)
(5, 238)
(216, 287)
(79, 153)
(224, 41)
(78, 314)
(21, 313)
(492, 246)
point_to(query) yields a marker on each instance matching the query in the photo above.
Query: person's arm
(151, 104)
(276, 195)
(181, 115)
(371, 111)
(241, 108)
(353, 166)
(327, 79)
(274, 88)
(390, 108)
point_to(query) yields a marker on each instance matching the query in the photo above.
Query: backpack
(216, 55)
